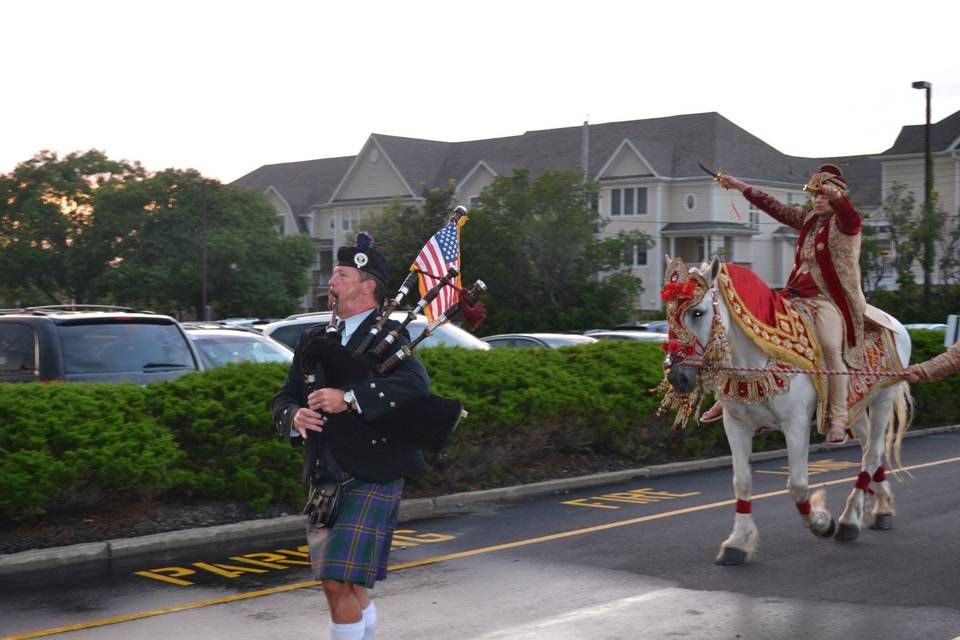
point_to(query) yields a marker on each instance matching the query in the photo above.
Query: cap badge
(360, 259)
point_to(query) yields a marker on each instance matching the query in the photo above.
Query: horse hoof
(829, 530)
(731, 556)
(882, 522)
(846, 533)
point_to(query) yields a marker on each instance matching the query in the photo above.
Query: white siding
(478, 181)
(627, 163)
(372, 177)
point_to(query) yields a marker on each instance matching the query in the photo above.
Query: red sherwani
(827, 262)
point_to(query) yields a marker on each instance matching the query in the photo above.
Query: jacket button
(393, 404)
(819, 246)
(373, 442)
(380, 395)
(373, 385)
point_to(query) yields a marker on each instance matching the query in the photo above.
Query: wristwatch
(348, 399)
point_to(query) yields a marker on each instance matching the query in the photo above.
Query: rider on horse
(826, 272)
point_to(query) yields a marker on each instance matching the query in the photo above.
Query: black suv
(92, 343)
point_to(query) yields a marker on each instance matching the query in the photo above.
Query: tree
(536, 243)
(51, 239)
(88, 229)
(898, 211)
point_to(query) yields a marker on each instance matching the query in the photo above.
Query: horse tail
(900, 420)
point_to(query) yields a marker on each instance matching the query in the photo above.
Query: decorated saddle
(784, 328)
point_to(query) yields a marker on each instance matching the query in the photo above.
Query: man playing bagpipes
(359, 402)
(371, 468)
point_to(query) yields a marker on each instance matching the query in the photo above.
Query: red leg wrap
(744, 506)
(880, 474)
(804, 507)
(863, 481)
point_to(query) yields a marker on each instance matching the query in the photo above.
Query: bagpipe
(426, 423)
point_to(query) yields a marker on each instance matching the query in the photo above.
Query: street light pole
(927, 217)
(203, 251)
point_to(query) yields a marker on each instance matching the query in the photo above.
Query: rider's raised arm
(782, 213)
(848, 218)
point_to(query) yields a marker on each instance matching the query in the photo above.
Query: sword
(715, 174)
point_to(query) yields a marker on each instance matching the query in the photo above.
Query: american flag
(441, 252)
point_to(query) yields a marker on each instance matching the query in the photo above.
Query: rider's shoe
(837, 435)
(712, 414)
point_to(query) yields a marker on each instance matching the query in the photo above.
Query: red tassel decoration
(474, 311)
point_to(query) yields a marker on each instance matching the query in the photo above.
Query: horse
(707, 348)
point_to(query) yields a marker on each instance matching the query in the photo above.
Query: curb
(410, 509)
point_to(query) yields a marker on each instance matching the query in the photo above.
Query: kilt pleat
(357, 549)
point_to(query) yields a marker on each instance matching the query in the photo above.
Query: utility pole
(204, 315)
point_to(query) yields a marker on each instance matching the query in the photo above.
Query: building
(649, 176)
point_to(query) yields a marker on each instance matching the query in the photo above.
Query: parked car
(537, 340)
(288, 331)
(642, 336)
(221, 344)
(92, 343)
(926, 326)
(250, 323)
(658, 326)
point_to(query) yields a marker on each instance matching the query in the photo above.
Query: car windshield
(127, 346)
(218, 350)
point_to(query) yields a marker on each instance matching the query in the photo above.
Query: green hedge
(66, 446)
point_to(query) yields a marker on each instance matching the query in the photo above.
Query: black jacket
(357, 447)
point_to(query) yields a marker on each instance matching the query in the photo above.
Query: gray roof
(302, 184)
(713, 228)
(672, 145)
(911, 138)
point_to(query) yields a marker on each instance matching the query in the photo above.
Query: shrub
(66, 446)
(211, 435)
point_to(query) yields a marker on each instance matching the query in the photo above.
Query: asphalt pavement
(631, 558)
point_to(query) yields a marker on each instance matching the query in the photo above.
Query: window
(16, 349)
(474, 201)
(754, 218)
(639, 256)
(345, 223)
(789, 198)
(691, 202)
(628, 202)
(281, 225)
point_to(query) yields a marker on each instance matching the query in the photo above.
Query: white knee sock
(369, 622)
(348, 631)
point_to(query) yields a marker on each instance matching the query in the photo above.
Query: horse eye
(697, 313)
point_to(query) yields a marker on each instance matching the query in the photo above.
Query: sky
(225, 87)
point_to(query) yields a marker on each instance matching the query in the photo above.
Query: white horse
(791, 412)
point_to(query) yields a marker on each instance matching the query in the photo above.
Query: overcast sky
(227, 86)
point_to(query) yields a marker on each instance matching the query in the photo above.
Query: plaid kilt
(357, 547)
